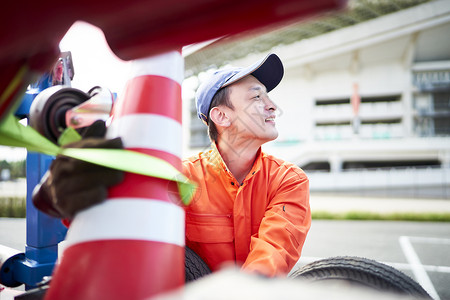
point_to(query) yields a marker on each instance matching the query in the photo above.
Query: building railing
(412, 179)
(379, 110)
(366, 131)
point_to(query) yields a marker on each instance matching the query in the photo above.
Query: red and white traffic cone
(132, 245)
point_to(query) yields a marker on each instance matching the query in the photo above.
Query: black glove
(72, 185)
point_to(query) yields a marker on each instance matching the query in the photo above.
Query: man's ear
(219, 117)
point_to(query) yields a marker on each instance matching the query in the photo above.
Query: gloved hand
(72, 185)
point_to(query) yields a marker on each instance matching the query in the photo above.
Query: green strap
(14, 134)
(134, 162)
(69, 135)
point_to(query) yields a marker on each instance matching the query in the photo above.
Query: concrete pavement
(382, 205)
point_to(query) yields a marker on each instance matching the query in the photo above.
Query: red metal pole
(132, 245)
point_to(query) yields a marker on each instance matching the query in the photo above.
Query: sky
(94, 62)
(95, 65)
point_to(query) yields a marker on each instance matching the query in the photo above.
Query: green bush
(13, 207)
(358, 215)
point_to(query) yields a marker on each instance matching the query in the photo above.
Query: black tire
(195, 267)
(363, 272)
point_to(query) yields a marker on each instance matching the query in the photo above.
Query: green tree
(4, 165)
(18, 169)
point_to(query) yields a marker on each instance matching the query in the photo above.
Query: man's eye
(257, 97)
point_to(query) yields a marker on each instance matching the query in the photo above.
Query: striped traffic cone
(132, 245)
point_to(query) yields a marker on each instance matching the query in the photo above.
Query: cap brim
(269, 71)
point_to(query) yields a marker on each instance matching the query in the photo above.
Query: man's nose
(270, 105)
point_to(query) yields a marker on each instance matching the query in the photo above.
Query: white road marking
(417, 267)
(428, 240)
(428, 268)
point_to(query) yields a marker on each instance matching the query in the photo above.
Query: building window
(379, 117)
(442, 113)
(432, 102)
(316, 166)
(397, 164)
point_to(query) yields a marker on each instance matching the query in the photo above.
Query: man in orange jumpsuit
(250, 208)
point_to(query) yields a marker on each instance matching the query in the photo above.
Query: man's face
(253, 116)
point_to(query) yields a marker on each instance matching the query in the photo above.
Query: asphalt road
(13, 233)
(421, 250)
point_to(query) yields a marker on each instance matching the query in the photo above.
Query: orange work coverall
(260, 225)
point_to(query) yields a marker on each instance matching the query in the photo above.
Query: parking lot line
(428, 240)
(428, 268)
(417, 267)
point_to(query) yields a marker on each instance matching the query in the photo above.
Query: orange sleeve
(277, 245)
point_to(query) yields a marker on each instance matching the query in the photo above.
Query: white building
(392, 55)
